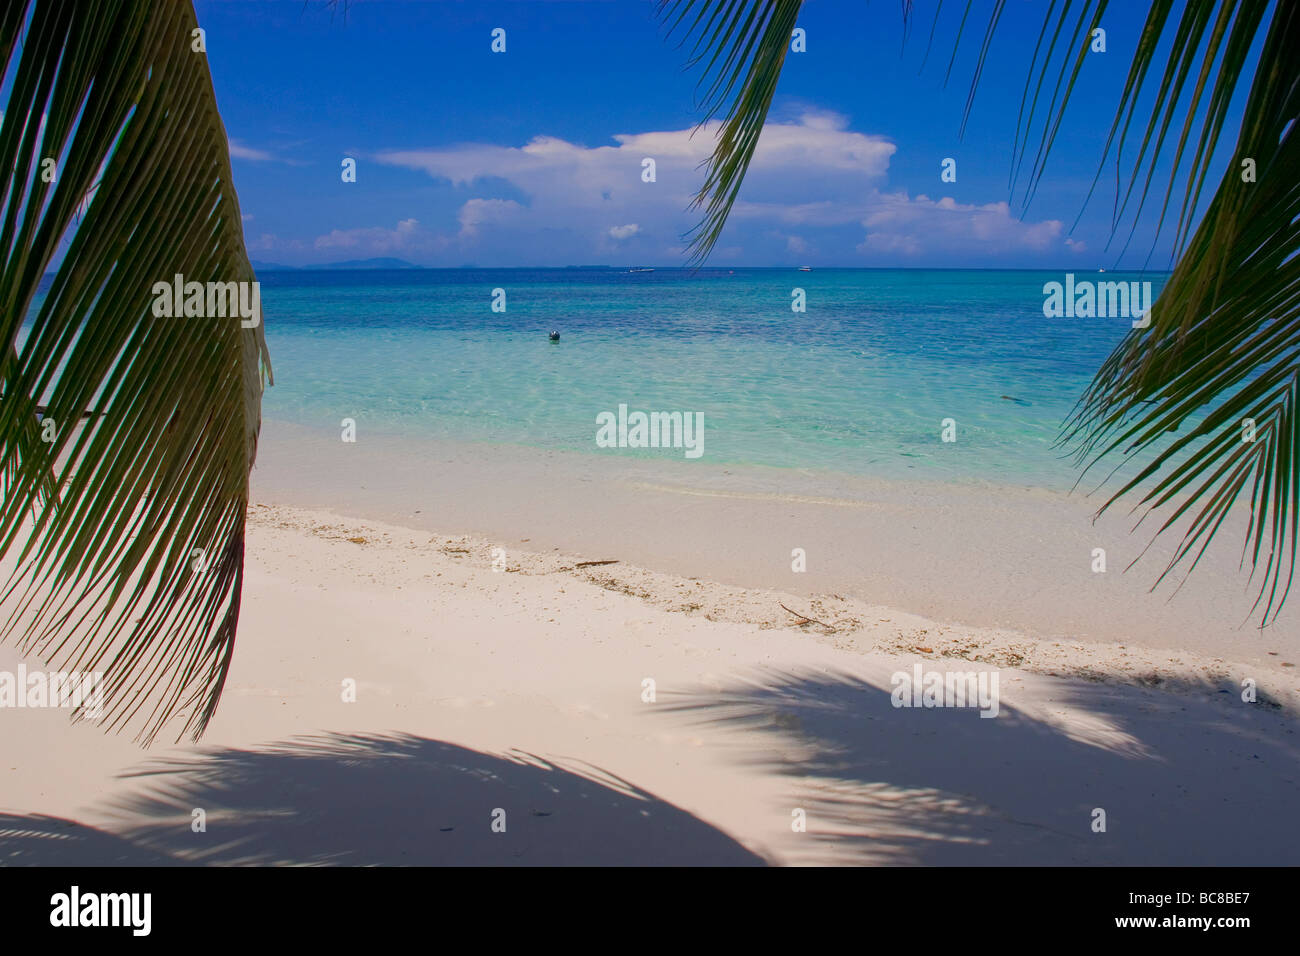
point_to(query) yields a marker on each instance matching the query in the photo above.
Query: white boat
(805, 268)
(639, 270)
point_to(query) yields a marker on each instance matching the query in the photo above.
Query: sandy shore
(975, 554)
(513, 680)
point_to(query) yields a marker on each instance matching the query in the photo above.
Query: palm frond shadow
(886, 785)
(376, 800)
(41, 840)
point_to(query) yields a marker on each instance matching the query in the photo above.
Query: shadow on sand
(1183, 778)
(375, 800)
(1194, 777)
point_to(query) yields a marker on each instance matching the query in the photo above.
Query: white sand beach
(496, 672)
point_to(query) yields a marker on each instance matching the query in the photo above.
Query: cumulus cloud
(814, 187)
(407, 238)
(557, 171)
(913, 225)
(573, 190)
(478, 212)
(821, 213)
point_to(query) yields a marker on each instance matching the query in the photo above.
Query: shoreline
(976, 555)
(845, 624)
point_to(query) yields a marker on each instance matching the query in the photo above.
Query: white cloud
(815, 188)
(920, 224)
(576, 189)
(478, 212)
(408, 238)
(822, 213)
(239, 151)
(815, 142)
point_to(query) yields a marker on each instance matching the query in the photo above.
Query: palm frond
(1223, 344)
(741, 46)
(133, 563)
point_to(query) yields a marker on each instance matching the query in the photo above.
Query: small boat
(639, 270)
(805, 268)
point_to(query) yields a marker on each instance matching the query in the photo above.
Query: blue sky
(533, 157)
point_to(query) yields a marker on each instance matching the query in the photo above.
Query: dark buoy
(555, 336)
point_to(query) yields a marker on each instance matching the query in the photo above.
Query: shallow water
(861, 382)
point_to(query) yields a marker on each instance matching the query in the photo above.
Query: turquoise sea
(860, 382)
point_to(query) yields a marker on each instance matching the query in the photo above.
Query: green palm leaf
(1223, 343)
(126, 532)
(743, 43)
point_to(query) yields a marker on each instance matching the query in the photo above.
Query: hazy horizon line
(278, 267)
